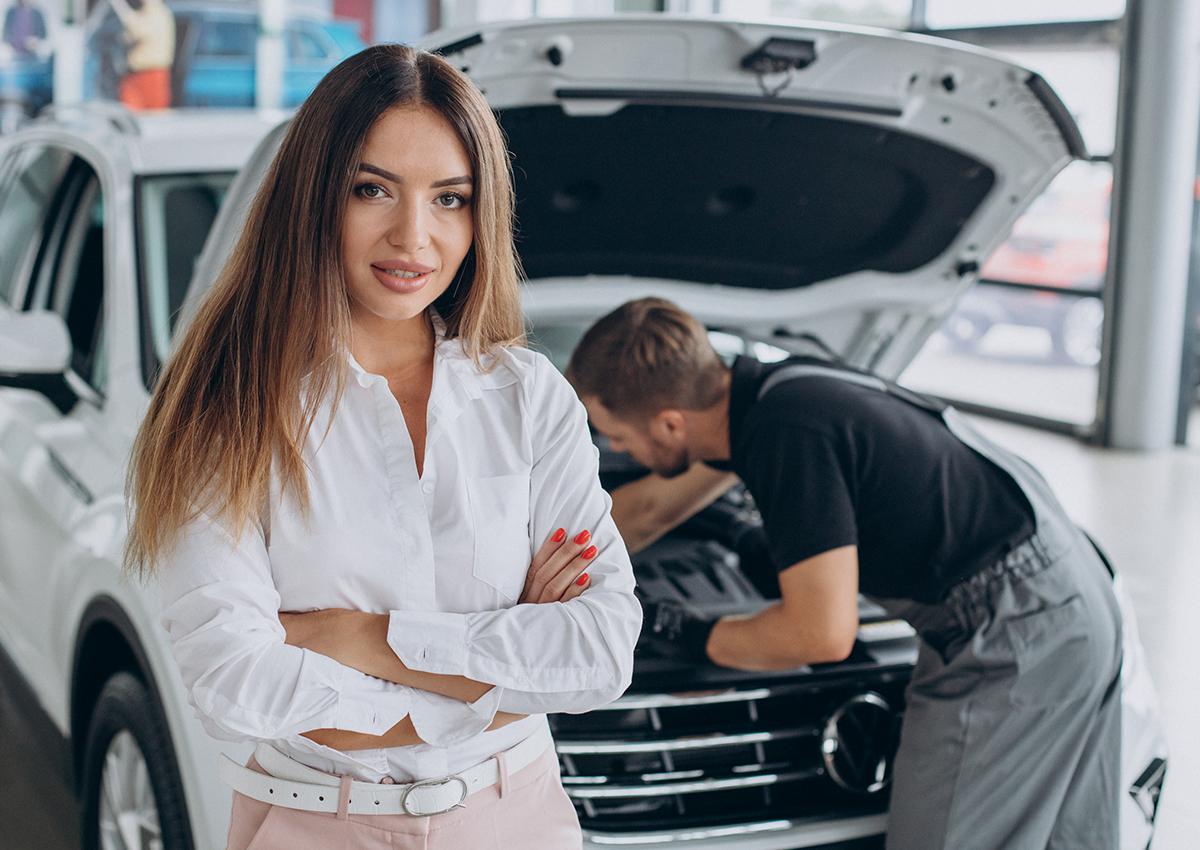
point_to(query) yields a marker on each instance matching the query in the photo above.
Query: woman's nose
(408, 229)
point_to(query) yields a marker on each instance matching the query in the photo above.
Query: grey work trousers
(1011, 737)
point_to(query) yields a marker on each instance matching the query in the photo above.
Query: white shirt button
(270, 730)
(427, 487)
(523, 680)
(432, 420)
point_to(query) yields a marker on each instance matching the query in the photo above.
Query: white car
(102, 217)
(793, 186)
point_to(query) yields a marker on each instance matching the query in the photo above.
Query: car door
(30, 194)
(61, 477)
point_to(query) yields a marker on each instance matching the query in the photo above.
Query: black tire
(127, 735)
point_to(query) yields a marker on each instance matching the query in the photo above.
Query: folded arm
(572, 654)
(220, 609)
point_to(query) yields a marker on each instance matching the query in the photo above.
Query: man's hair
(648, 355)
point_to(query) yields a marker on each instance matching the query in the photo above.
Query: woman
(351, 433)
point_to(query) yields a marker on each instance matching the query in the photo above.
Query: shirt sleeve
(802, 481)
(221, 613)
(561, 656)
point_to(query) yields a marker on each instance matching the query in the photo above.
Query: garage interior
(1102, 399)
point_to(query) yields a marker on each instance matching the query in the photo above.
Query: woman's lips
(402, 277)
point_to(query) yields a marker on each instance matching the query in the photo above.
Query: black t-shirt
(832, 463)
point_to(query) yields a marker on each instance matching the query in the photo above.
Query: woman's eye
(451, 201)
(369, 190)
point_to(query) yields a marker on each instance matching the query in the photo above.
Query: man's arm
(816, 620)
(646, 509)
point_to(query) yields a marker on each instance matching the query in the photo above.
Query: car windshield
(175, 213)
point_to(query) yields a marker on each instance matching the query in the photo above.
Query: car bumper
(767, 835)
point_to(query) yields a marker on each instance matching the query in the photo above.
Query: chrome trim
(831, 741)
(801, 833)
(676, 700)
(613, 791)
(691, 743)
(699, 742)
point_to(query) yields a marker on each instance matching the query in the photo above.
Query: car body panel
(62, 481)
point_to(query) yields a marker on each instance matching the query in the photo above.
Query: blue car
(26, 85)
(214, 54)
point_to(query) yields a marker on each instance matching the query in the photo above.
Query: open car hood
(774, 180)
(777, 181)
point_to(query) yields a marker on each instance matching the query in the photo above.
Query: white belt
(293, 785)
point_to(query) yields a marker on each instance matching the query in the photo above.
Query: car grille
(736, 755)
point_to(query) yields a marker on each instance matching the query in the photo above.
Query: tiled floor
(1144, 509)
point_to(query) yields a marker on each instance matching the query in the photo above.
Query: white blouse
(508, 460)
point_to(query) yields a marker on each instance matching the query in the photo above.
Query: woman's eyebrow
(464, 179)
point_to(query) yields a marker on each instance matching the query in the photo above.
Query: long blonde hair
(229, 411)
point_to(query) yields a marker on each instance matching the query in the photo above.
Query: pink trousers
(526, 811)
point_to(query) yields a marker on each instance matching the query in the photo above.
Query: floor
(1143, 508)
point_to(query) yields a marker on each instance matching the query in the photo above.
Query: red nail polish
(582, 580)
(583, 537)
(560, 535)
(589, 552)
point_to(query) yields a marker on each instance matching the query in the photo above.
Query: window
(175, 213)
(946, 14)
(77, 288)
(68, 272)
(25, 200)
(228, 39)
(305, 46)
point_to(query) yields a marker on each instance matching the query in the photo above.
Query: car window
(227, 39)
(304, 45)
(175, 213)
(26, 196)
(77, 293)
(68, 277)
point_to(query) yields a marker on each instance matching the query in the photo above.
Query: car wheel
(132, 795)
(1078, 338)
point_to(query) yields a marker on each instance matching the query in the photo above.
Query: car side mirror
(33, 343)
(35, 354)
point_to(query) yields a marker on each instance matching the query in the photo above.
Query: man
(1011, 733)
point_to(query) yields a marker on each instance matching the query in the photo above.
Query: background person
(1011, 735)
(24, 29)
(149, 33)
(347, 467)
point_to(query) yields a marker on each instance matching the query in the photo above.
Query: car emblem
(858, 743)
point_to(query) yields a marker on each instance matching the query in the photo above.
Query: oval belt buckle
(433, 783)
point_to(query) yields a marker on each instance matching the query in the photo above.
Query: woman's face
(408, 221)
